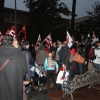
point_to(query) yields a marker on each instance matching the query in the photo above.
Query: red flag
(23, 30)
(13, 32)
(48, 41)
(0, 37)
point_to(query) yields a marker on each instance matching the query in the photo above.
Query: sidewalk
(84, 93)
(39, 95)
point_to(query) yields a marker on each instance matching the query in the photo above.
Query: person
(26, 79)
(12, 75)
(41, 55)
(73, 69)
(25, 48)
(64, 55)
(81, 68)
(58, 49)
(32, 49)
(38, 43)
(50, 65)
(53, 47)
(96, 62)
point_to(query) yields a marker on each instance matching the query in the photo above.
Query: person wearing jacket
(12, 75)
(96, 62)
(30, 61)
(50, 65)
(64, 55)
(41, 55)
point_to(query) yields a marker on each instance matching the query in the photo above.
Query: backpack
(91, 54)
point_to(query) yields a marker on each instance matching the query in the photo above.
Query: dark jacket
(31, 60)
(11, 77)
(53, 49)
(63, 54)
(81, 68)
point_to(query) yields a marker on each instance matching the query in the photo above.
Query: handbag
(61, 77)
(78, 58)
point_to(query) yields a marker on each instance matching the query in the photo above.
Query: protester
(58, 49)
(13, 73)
(32, 49)
(41, 55)
(50, 65)
(25, 48)
(96, 62)
(53, 47)
(81, 68)
(64, 55)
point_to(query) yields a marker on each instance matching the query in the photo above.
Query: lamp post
(73, 14)
(15, 16)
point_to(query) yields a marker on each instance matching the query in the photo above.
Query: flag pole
(44, 39)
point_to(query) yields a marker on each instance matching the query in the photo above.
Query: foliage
(45, 18)
(93, 23)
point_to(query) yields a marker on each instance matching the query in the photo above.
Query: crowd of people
(15, 77)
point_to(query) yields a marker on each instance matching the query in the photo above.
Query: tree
(93, 23)
(45, 17)
(1, 15)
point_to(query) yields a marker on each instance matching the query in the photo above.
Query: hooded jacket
(11, 77)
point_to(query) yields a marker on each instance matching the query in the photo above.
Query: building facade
(9, 18)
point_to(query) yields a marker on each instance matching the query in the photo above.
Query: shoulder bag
(4, 64)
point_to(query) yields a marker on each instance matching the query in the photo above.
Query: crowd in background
(15, 76)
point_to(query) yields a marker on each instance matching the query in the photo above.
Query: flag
(0, 37)
(8, 31)
(94, 37)
(48, 41)
(13, 32)
(88, 35)
(69, 40)
(23, 30)
(39, 38)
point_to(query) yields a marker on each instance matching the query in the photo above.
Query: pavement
(40, 95)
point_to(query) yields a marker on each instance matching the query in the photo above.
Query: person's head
(98, 43)
(15, 42)
(64, 43)
(7, 39)
(52, 55)
(25, 43)
(59, 43)
(54, 44)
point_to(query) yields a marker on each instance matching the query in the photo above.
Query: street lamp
(15, 15)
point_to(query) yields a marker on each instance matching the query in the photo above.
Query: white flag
(39, 38)
(69, 39)
(94, 37)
